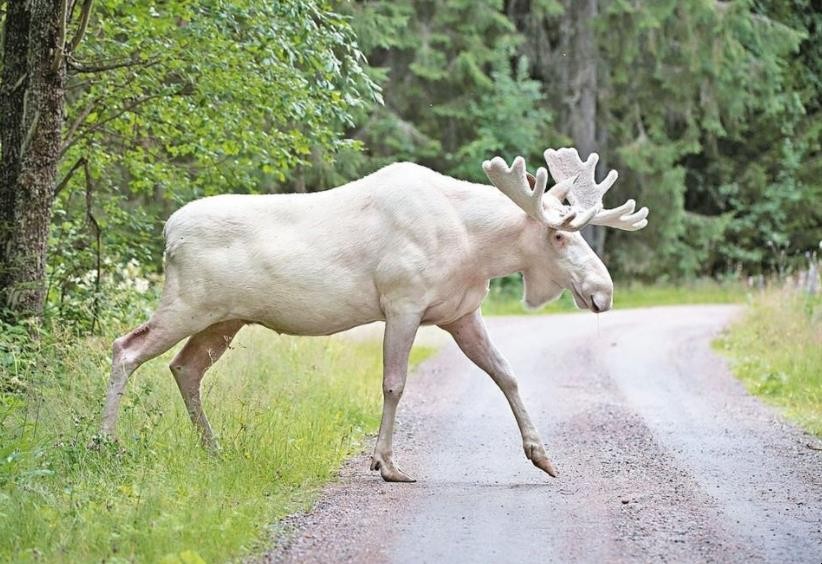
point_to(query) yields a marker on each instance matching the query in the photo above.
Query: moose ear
(531, 179)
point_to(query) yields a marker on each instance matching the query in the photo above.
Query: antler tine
(586, 193)
(623, 217)
(513, 182)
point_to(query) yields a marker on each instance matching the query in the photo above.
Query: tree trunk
(564, 57)
(13, 86)
(581, 97)
(581, 54)
(31, 116)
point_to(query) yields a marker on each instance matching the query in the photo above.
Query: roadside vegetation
(776, 350)
(505, 296)
(287, 410)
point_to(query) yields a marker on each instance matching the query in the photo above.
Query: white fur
(406, 245)
(316, 264)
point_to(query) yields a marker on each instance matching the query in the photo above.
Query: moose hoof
(389, 472)
(545, 465)
(536, 454)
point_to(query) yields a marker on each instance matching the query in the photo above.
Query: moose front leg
(472, 338)
(399, 337)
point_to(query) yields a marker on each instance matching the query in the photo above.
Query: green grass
(288, 412)
(776, 350)
(508, 301)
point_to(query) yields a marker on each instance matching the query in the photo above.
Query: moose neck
(498, 230)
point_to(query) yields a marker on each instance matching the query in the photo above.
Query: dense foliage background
(710, 111)
(115, 113)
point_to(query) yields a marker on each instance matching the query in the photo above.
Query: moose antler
(514, 183)
(586, 194)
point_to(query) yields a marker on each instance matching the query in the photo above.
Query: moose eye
(558, 237)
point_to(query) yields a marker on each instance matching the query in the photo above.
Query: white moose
(405, 245)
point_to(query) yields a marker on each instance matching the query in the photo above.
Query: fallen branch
(80, 162)
(95, 308)
(81, 31)
(78, 67)
(61, 37)
(68, 141)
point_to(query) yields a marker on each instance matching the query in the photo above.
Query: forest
(709, 110)
(114, 114)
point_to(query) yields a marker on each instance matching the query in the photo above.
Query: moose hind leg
(171, 323)
(190, 365)
(147, 341)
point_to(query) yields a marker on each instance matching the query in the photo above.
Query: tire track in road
(662, 455)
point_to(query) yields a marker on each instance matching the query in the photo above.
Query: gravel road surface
(663, 457)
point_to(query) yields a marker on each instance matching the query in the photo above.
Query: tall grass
(288, 411)
(776, 350)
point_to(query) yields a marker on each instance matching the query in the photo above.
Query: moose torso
(316, 264)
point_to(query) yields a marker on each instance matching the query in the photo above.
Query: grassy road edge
(288, 411)
(775, 349)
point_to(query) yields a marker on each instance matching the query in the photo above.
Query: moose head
(559, 256)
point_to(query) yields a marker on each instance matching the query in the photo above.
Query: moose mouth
(581, 302)
(586, 303)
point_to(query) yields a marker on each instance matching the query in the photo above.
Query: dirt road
(662, 455)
